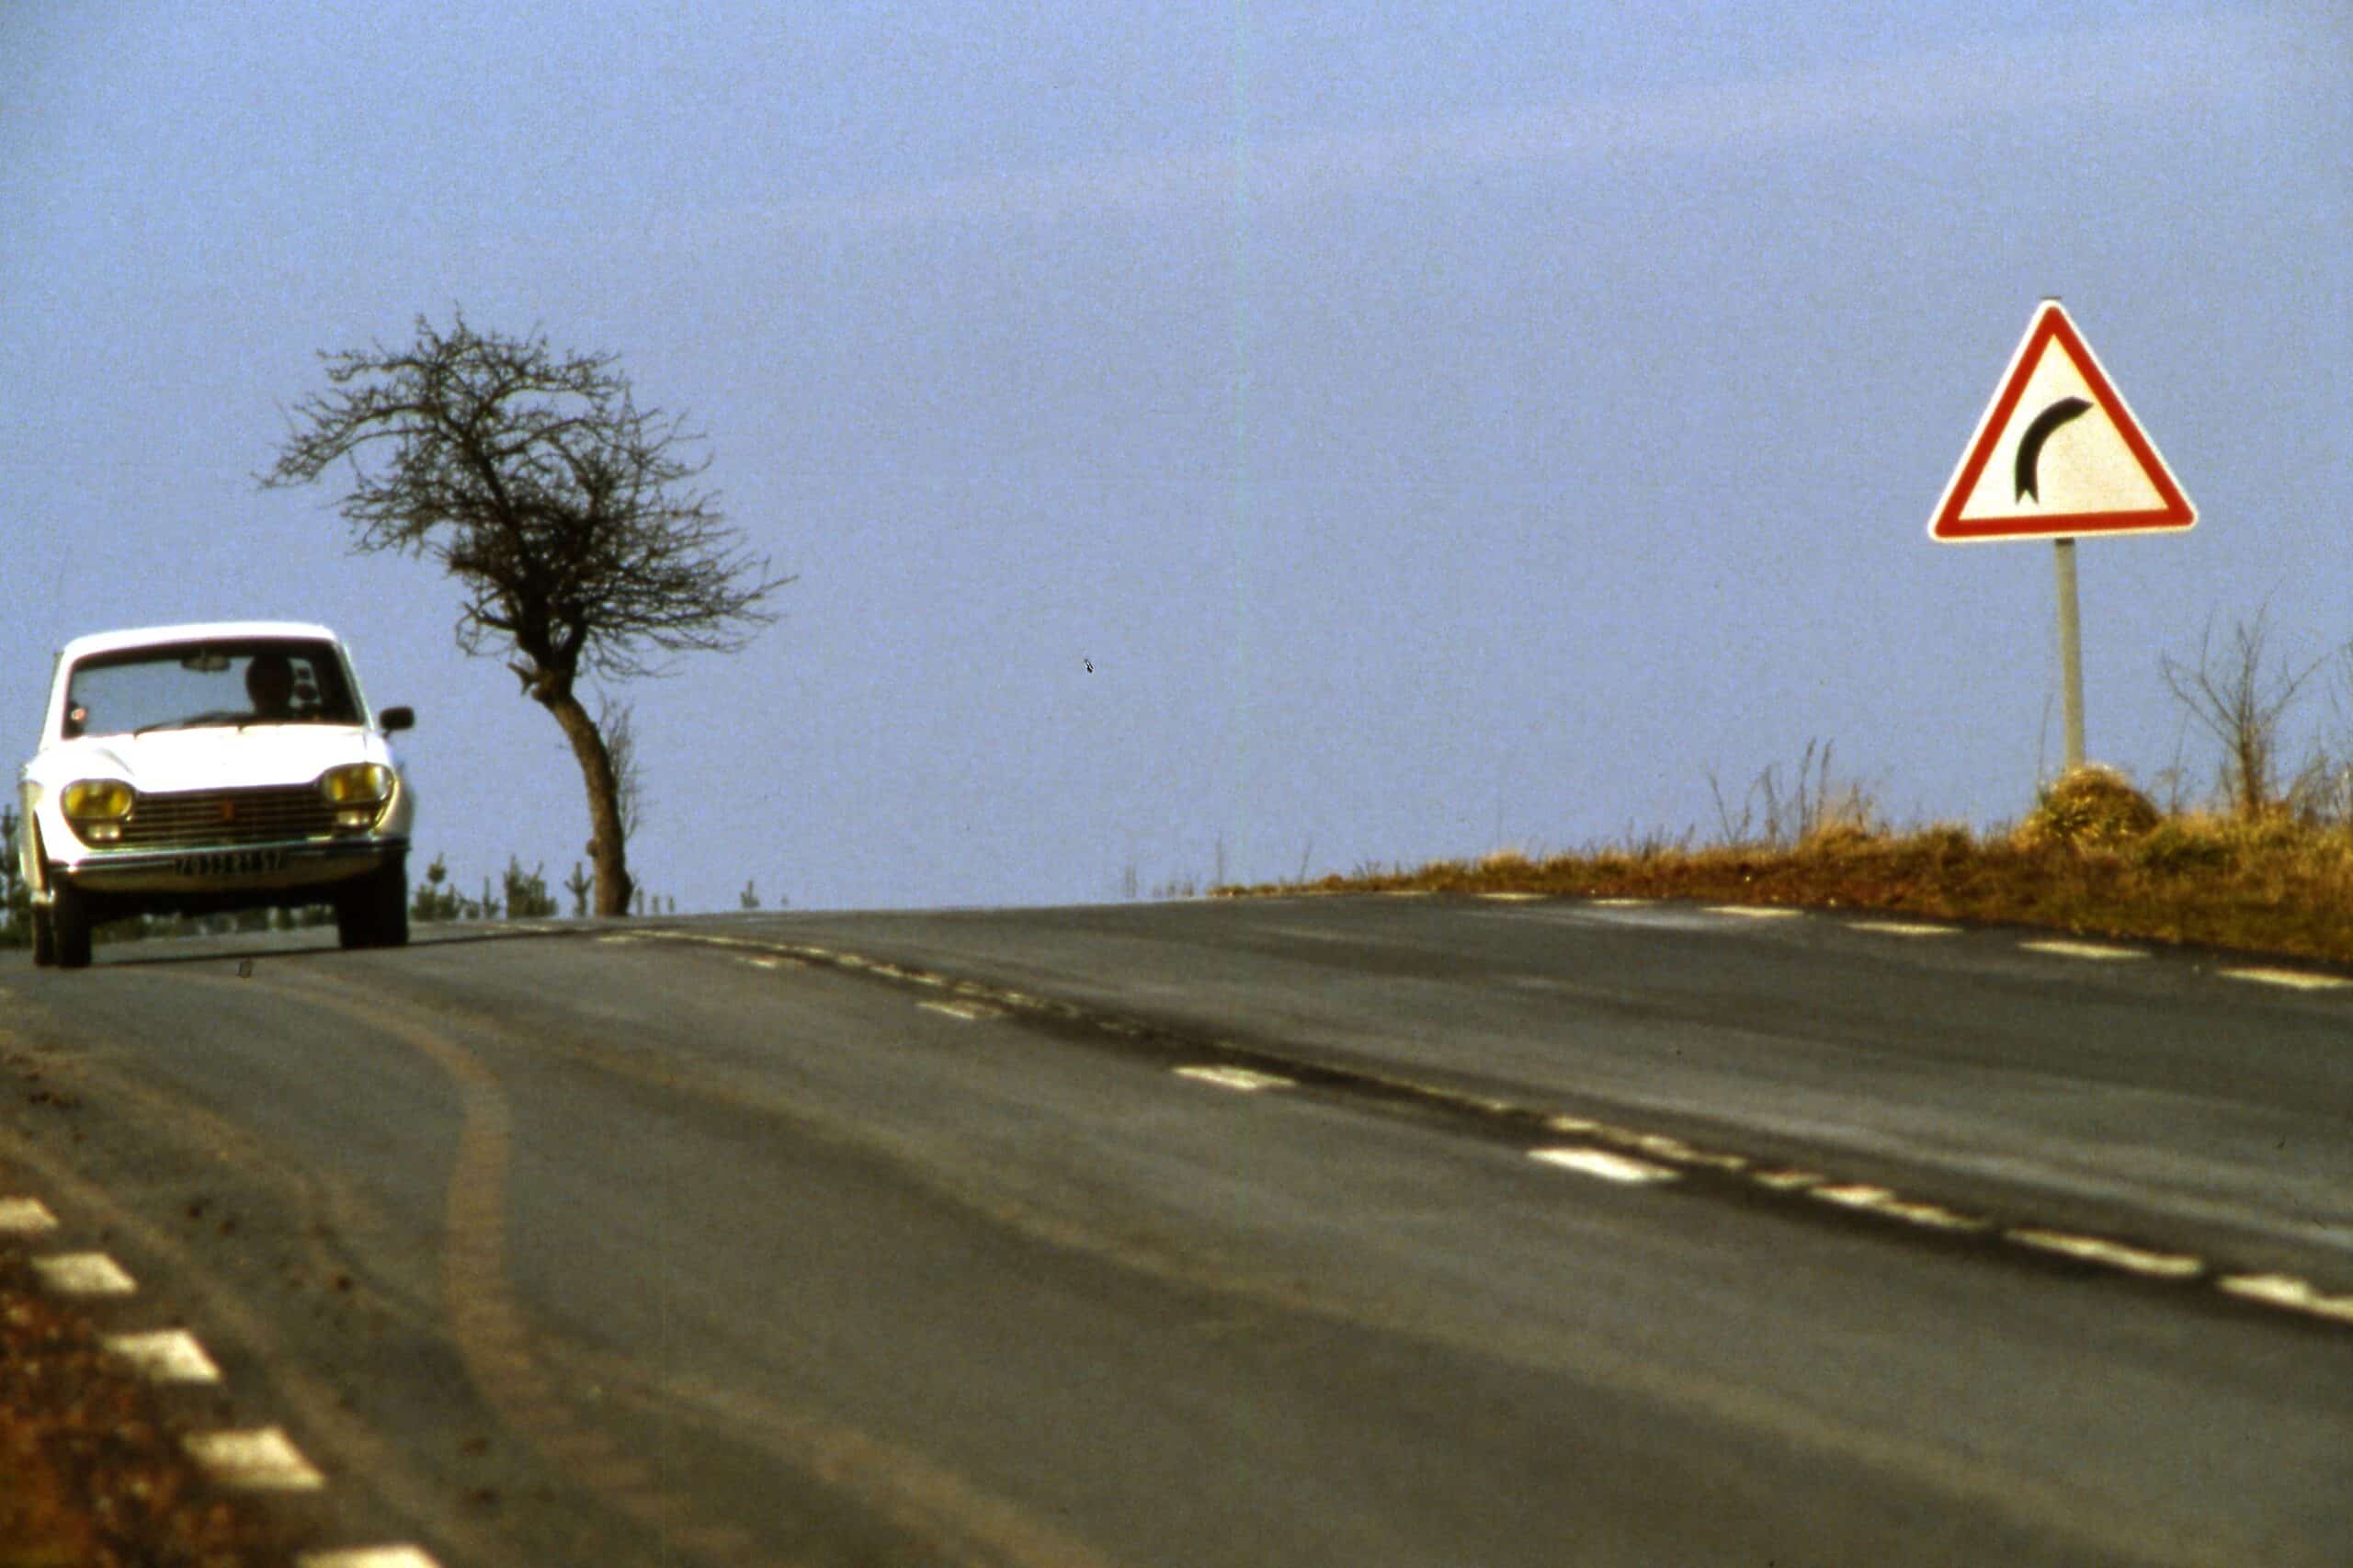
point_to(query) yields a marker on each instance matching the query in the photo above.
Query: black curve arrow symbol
(2046, 425)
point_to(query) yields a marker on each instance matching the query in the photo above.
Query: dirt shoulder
(92, 1473)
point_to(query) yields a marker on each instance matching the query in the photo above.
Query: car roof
(194, 631)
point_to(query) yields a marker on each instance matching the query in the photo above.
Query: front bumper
(228, 868)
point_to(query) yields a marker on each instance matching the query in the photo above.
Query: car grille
(227, 816)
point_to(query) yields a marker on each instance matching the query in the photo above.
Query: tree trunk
(607, 847)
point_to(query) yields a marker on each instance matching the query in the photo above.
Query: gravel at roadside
(92, 1473)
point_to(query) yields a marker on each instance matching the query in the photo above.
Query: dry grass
(2093, 857)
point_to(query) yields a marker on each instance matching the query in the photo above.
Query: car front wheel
(373, 910)
(44, 939)
(69, 928)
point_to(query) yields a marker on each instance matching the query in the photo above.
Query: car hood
(166, 760)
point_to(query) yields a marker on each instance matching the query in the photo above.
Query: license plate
(229, 862)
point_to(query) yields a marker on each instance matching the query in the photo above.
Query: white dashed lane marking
(167, 1355)
(963, 1012)
(368, 1557)
(263, 1460)
(2295, 979)
(1238, 1078)
(1677, 1151)
(1603, 1164)
(83, 1274)
(1307, 933)
(2083, 949)
(1894, 1206)
(2111, 1255)
(2299, 980)
(25, 1216)
(2286, 1290)
(1655, 1143)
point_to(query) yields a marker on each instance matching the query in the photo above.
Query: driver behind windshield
(269, 684)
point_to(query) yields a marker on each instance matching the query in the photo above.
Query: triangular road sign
(2058, 453)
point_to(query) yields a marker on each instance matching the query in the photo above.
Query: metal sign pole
(2071, 649)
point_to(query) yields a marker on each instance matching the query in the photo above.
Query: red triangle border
(2050, 322)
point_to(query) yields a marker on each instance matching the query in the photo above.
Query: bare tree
(617, 720)
(567, 514)
(2228, 695)
(2321, 791)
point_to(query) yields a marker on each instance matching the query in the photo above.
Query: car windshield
(233, 682)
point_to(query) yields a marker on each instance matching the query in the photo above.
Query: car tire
(69, 928)
(44, 939)
(373, 911)
(392, 928)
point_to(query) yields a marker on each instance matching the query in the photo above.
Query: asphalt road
(1361, 1231)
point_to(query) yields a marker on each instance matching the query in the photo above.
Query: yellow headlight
(357, 783)
(97, 800)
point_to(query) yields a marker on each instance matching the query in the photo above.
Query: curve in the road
(504, 1354)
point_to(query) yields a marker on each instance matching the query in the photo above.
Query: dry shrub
(1841, 838)
(1945, 841)
(2087, 808)
(2180, 845)
(1844, 818)
(1813, 809)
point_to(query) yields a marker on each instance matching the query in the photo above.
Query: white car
(193, 769)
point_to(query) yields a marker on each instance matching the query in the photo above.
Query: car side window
(319, 691)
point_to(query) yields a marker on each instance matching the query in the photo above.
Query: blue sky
(1438, 428)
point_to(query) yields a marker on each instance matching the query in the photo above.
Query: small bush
(527, 892)
(2088, 808)
(2277, 832)
(1945, 841)
(2178, 845)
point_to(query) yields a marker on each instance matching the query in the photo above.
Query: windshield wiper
(215, 716)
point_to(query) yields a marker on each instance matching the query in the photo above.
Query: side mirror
(393, 719)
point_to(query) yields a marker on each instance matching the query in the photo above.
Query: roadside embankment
(2086, 861)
